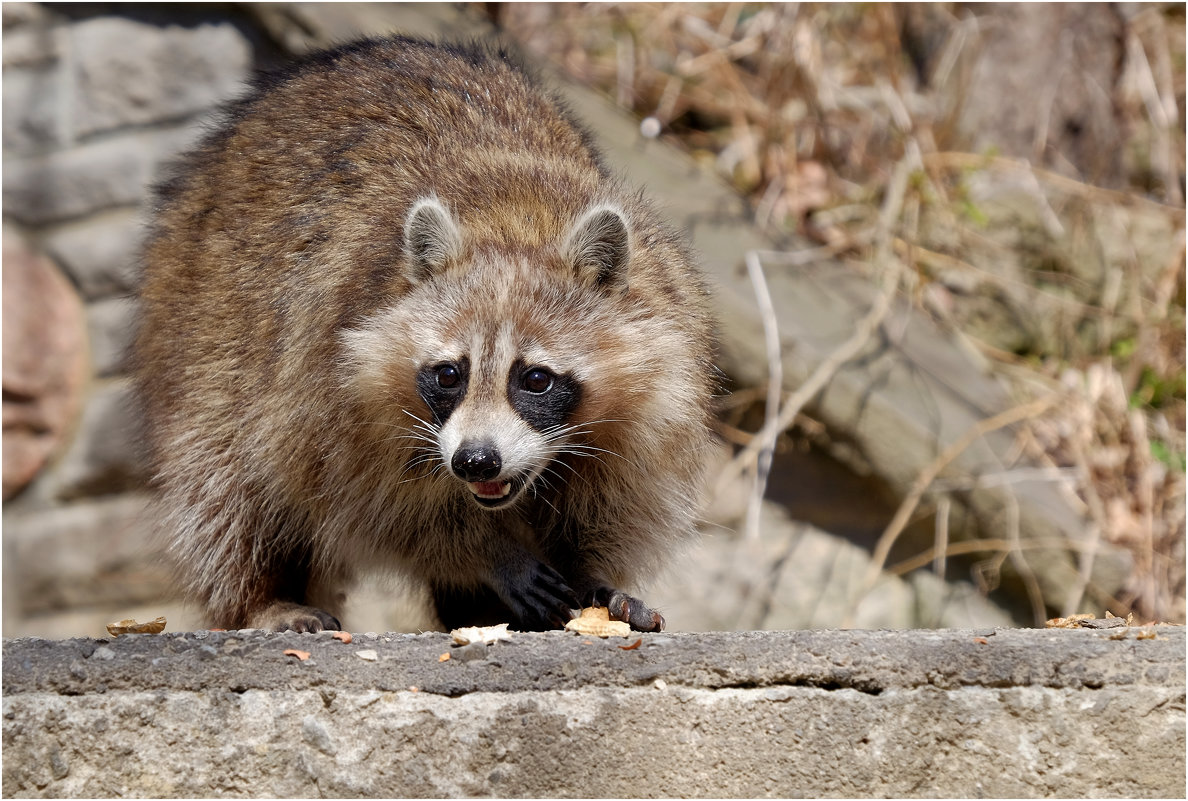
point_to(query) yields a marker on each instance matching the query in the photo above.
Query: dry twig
(775, 380)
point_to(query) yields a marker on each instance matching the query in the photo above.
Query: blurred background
(947, 244)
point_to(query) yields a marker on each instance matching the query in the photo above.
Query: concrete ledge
(833, 713)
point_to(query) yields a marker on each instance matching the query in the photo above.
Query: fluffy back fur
(358, 222)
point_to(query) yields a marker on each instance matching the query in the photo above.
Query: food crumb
(595, 621)
(488, 634)
(130, 626)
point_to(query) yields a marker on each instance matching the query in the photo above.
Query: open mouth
(493, 494)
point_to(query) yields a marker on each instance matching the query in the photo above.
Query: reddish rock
(45, 360)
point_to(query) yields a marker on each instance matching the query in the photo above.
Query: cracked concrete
(1002, 712)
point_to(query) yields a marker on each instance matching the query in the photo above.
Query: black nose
(476, 462)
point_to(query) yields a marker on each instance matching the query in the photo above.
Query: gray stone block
(100, 252)
(32, 105)
(106, 455)
(74, 183)
(81, 556)
(110, 323)
(131, 73)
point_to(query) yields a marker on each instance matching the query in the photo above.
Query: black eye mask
(544, 400)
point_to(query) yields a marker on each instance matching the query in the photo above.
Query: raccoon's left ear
(599, 247)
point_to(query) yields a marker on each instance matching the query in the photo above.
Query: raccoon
(398, 315)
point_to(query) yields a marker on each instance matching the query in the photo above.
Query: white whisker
(538, 495)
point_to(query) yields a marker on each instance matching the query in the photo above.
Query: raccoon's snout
(476, 462)
(479, 465)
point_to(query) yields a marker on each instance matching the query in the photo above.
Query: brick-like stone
(99, 252)
(131, 73)
(110, 323)
(106, 455)
(45, 362)
(32, 105)
(77, 182)
(83, 555)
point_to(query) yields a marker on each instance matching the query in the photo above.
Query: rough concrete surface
(998, 713)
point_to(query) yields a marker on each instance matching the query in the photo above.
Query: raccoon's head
(498, 347)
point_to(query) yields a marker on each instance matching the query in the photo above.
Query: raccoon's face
(499, 418)
(500, 361)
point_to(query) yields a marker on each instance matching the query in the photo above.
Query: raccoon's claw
(631, 611)
(542, 599)
(288, 616)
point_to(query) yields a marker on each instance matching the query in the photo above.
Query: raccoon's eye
(537, 381)
(448, 376)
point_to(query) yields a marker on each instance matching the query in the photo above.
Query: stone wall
(92, 105)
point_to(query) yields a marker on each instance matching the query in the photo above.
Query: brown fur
(285, 316)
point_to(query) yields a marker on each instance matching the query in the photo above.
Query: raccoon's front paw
(624, 607)
(540, 599)
(288, 616)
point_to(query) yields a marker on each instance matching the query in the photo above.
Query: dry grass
(1065, 269)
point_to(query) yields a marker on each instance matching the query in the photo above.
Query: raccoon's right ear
(431, 238)
(599, 247)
